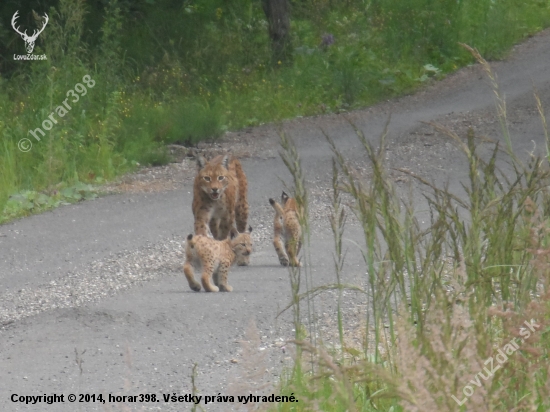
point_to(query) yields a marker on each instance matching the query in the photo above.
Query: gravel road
(93, 299)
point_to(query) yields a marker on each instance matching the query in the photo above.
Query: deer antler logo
(29, 40)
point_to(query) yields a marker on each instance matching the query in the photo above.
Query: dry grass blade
(544, 125)
(500, 100)
(319, 290)
(342, 385)
(432, 186)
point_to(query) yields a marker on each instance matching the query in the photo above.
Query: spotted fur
(287, 225)
(220, 197)
(215, 257)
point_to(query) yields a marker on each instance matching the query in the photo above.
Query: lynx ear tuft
(201, 162)
(225, 161)
(284, 197)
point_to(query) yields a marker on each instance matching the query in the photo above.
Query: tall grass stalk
(451, 294)
(500, 101)
(544, 125)
(337, 224)
(291, 159)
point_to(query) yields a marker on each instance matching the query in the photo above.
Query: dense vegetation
(181, 70)
(455, 315)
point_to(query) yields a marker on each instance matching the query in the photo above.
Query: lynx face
(242, 247)
(213, 178)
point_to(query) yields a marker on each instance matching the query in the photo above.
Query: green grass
(440, 301)
(168, 71)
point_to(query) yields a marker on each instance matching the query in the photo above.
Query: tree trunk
(277, 13)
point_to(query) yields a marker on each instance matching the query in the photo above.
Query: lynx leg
(241, 215)
(241, 207)
(225, 228)
(201, 222)
(222, 273)
(215, 228)
(190, 275)
(292, 248)
(216, 277)
(279, 248)
(277, 242)
(206, 279)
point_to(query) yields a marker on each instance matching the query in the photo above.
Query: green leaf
(41, 199)
(68, 192)
(431, 68)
